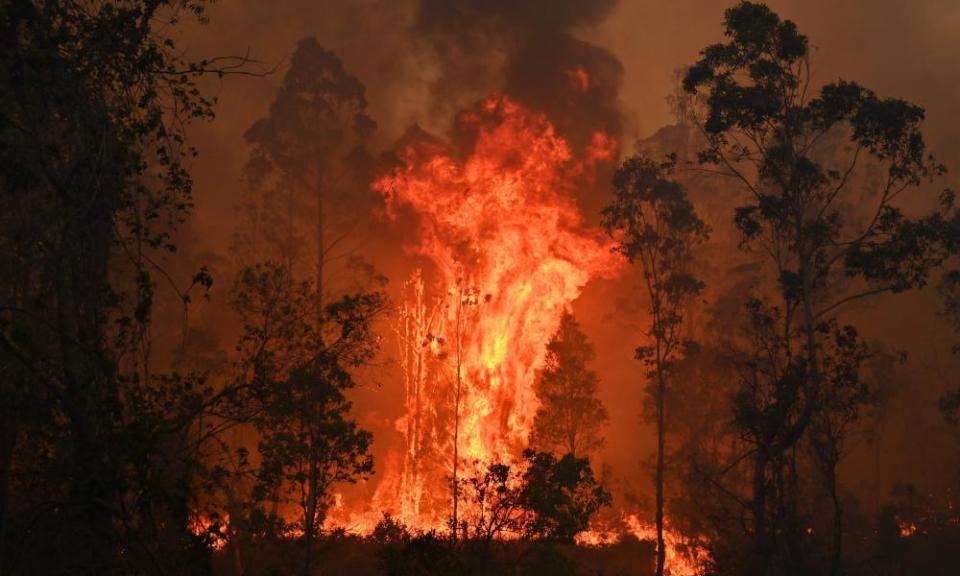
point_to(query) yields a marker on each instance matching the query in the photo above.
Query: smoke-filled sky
(424, 60)
(423, 63)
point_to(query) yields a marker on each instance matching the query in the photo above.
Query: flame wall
(508, 253)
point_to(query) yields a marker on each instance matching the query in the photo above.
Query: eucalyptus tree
(306, 167)
(657, 226)
(827, 170)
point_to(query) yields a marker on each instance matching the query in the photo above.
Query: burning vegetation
(511, 339)
(509, 251)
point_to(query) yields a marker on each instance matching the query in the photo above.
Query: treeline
(114, 462)
(835, 201)
(97, 458)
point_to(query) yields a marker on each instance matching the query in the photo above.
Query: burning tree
(416, 322)
(570, 417)
(499, 227)
(658, 226)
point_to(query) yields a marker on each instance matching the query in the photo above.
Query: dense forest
(426, 294)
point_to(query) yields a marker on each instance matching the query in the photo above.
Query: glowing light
(684, 556)
(508, 253)
(907, 529)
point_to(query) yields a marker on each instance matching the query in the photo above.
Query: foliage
(304, 172)
(541, 497)
(401, 553)
(305, 156)
(495, 507)
(319, 110)
(296, 379)
(763, 130)
(655, 224)
(100, 451)
(570, 415)
(561, 496)
(804, 158)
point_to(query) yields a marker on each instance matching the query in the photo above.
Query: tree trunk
(837, 524)
(456, 414)
(235, 535)
(456, 420)
(8, 441)
(661, 445)
(321, 249)
(825, 449)
(309, 518)
(759, 505)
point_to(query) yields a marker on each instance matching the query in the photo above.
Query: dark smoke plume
(530, 52)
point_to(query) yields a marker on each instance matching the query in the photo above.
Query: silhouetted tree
(950, 292)
(94, 99)
(657, 226)
(306, 166)
(307, 441)
(768, 131)
(561, 495)
(495, 510)
(570, 417)
(541, 496)
(306, 170)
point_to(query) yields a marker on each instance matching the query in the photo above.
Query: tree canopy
(570, 418)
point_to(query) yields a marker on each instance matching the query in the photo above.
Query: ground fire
(509, 253)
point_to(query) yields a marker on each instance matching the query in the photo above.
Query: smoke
(529, 51)
(589, 65)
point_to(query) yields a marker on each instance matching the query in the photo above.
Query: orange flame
(509, 253)
(907, 529)
(684, 556)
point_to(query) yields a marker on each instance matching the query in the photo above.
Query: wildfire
(508, 253)
(684, 557)
(907, 529)
(211, 528)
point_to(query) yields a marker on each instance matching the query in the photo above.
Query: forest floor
(354, 556)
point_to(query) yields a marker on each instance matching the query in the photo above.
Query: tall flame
(509, 253)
